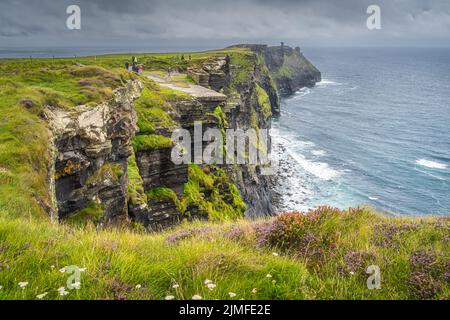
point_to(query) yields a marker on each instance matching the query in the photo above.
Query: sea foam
(431, 164)
(318, 169)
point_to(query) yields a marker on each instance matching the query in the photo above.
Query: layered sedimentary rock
(92, 145)
(213, 73)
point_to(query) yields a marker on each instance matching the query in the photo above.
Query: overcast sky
(210, 23)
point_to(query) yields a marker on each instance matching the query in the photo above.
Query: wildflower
(176, 286)
(274, 281)
(268, 275)
(275, 254)
(77, 285)
(138, 286)
(52, 267)
(1, 287)
(82, 269)
(62, 270)
(169, 298)
(211, 286)
(352, 273)
(254, 290)
(197, 297)
(232, 294)
(207, 281)
(42, 296)
(23, 284)
(62, 291)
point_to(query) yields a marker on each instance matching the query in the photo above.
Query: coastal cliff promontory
(107, 143)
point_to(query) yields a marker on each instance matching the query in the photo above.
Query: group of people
(134, 65)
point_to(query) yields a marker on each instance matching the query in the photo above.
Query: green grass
(162, 194)
(210, 190)
(151, 142)
(153, 110)
(228, 254)
(264, 101)
(136, 192)
(93, 213)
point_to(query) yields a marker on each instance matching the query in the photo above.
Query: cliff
(105, 149)
(288, 67)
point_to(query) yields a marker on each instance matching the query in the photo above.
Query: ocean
(375, 131)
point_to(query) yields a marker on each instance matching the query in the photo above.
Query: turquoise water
(375, 131)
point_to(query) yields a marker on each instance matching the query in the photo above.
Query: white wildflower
(197, 297)
(138, 286)
(268, 275)
(352, 273)
(42, 296)
(62, 291)
(254, 290)
(23, 284)
(176, 286)
(211, 286)
(274, 281)
(1, 287)
(169, 298)
(232, 294)
(275, 254)
(82, 269)
(62, 270)
(207, 281)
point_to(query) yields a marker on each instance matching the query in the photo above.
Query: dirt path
(196, 91)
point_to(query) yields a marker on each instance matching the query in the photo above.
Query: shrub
(428, 270)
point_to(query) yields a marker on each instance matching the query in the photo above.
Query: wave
(326, 82)
(318, 153)
(302, 92)
(431, 164)
(319, 169)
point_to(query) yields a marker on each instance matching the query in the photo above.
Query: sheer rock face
(243, 112)
(157, 169)
(283, 72)
(290, 69)
(92, 145)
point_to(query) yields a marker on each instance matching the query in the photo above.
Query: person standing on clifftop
(134, 64)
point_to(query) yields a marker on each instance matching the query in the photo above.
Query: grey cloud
(308, 22)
